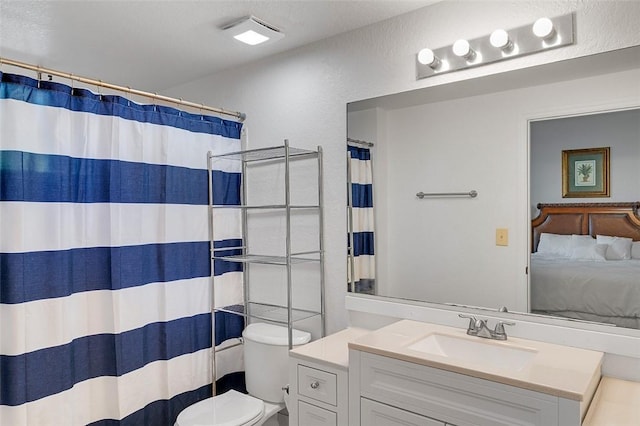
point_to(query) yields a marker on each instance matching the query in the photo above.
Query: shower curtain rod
(40, 70)
(361, 143)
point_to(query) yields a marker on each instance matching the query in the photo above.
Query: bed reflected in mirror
(585, 261)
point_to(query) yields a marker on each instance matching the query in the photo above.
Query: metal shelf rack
(286, 313)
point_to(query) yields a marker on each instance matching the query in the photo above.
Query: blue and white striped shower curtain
(362, 220)
(105, 289)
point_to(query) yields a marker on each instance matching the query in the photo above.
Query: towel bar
(471, 194)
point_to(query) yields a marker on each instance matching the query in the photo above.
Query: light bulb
(543, 28)
(500, 39)
(463, 49)
(427, 57)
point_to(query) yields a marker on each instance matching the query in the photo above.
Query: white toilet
(266, 355)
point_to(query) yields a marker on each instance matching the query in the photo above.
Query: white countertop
(555, 370)
(332, 350)
(616, 402)
(560, 371)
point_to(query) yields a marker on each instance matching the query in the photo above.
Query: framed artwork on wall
(585, 173)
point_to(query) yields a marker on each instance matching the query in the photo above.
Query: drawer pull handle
(315, 385)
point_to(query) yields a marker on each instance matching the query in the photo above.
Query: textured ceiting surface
(164, 43)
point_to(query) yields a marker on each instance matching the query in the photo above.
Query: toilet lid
(271, 334)
(232, 408)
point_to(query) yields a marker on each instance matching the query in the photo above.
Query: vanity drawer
(310, 415)
(374, 413)
(452, 397)
(317, 384)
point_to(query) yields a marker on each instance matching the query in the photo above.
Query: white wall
(618, 130)
(301, 95)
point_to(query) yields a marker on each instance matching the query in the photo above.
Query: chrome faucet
(478, 327)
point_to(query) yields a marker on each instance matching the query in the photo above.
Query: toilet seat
(232, 408)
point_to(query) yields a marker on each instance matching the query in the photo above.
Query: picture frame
(585, 173)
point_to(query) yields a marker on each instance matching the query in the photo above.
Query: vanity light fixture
(501, 44)
(252, 31)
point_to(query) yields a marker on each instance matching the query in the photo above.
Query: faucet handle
(472, 322)
(499, 330)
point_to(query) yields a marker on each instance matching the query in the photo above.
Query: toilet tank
(266, 357)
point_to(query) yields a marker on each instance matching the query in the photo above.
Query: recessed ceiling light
(251, 37)
(253, 31)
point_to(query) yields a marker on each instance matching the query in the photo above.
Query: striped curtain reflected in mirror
(361, 241)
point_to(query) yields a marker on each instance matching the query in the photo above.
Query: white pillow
(635, 250)
(554, 244)
(619, 247)
(584, 247)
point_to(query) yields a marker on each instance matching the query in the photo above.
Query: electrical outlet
(502, 237)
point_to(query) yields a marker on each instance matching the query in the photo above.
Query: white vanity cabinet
(387, 389)
(319, 381)
(395, 380)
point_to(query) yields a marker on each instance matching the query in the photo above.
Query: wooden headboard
(615, 219)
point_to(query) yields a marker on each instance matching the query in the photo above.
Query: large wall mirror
(507, 138)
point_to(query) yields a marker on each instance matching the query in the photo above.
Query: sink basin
(475, 350)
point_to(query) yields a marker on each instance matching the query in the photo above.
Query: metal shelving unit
(285, 314)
